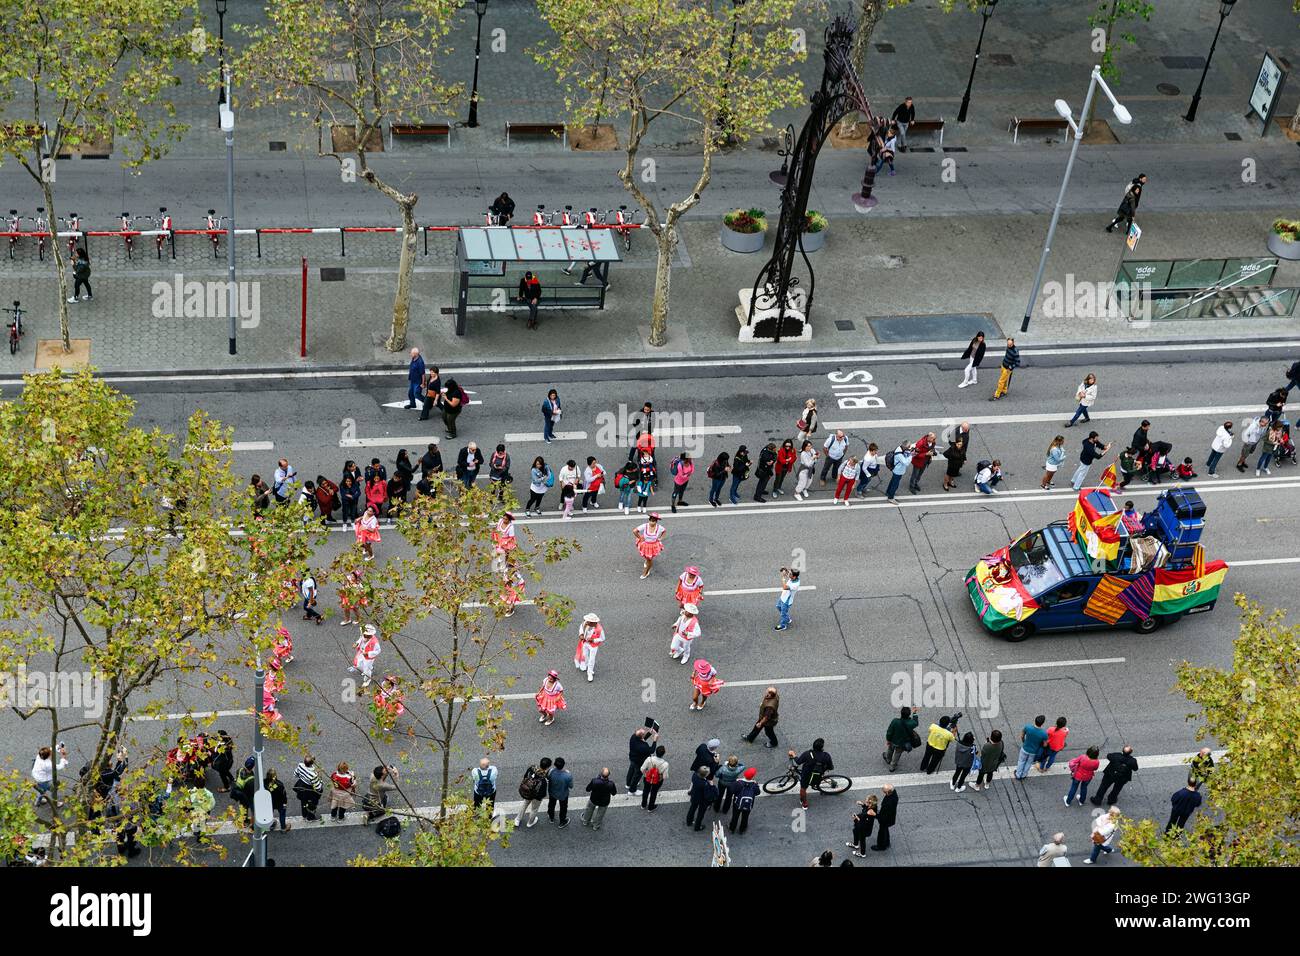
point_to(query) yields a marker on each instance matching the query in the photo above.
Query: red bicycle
(215, 229)
(15, 222)
(73, 225)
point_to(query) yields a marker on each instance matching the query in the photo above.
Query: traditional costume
(513, 592)
(282, 650)
(591, 634)
(367, 531)
(685, 630)
(706, 682)
(690, 587)
(389, 700)
(649, 540)
(352, 597)
(550, 698)
(503, 541)
(368, 649)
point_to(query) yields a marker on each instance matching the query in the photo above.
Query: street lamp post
(228, 127)
(1063, 109)
(480, 8)
(1225, 8)
(262, 810)
(221, 48)
(986, 11)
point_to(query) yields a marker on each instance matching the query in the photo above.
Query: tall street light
(1225, 8)
(221, 48)
(228, 127)
(480, 8)
(986, 11)
(1063, 108)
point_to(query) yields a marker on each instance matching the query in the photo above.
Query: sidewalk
(870, 270)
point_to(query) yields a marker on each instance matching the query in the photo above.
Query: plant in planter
(814, 229)
(1284, 239)
(743, 230)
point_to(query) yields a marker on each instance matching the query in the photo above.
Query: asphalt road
(883, 593)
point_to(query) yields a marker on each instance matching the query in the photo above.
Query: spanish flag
(1094, 531)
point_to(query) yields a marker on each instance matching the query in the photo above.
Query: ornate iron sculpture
(840, 94)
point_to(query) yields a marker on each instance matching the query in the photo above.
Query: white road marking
(419, 441)
(510, 808)
(730, 683)
(472, 604)
(1255, 561)
(734, 591)
(1033, 664)
(1137, 414)
(402, 403)
(252, 446)
(537, 436)
(196, 714)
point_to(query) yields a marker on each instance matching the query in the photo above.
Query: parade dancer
(282, 650)
(685, 629)
(690, 587)
(705, 682)
(367, 530)
(272, 684)
(590, 636)
(513, 591)
(550, 698)
(650, 541)
(352, 597)
(389, 701)
(367, 649)
(503, 541)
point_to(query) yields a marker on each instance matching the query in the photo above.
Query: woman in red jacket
(377, 494)
(786, 456)
(1082, 769)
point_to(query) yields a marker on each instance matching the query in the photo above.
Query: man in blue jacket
(703, 795)
(414, 379)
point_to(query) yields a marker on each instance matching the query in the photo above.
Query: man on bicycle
(812, 764)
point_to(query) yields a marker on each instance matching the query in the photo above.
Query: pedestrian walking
(367, 647)
(690, 587)
(532, 790)
(223, 760)
(846, 479)
(308, 787)
(499, 476)
(786, 457)
(1201, 767)
(864, 821)
(991, 756)
(559, 783)
(1120, 767)
(769, 715)
(1092, 450)
(869, 469)
(807, 468)
(1082, 770)
(896, 462)
(308, 592)
(973, 355)
(744, 792)
(1105, 831)
(1085, 395)
(550, 699)
(530, 293)
(454, 401)
(834, 449)
(540, 478)
(343, 791)
(1128, 205)
(903, 116)
(739, 472)
(1292, 376)
(886, 816)
(654, 773)
(591, 635)
(1052, 461)
(784, 600)
(650, 542)
(727, 776)
(940, 735)
(1010, 362)
(1253, 430)
(640, 747)
(593, 482)
(414, 379)
(807, 422)
(484, 780)
(1032, 740)
(703, 794)
(717, 475)
(272, 784)
(704, 683)
(1055, 744)
(954, 457)
(431, 391)
(286, 476)
(1053, 851)
(922, 452)
(680, 470)
(764, 470)
(901, 736)
(601, 790)
(570, 478)
(685, 630)
(80, 275)
(550, 415)
(964, 758)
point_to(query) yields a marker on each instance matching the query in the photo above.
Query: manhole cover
(1233, 137)
(844, 325)
(332, 274)
(885, 47)
(277, 146)
(1168, 89)
(1183, 62)
(1002, 59)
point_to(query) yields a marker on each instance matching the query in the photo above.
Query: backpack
(982, 464)
(550, 478)
(483, 786)
(745, 802)
(533, 786)
(652, 775)
(889, 460)
(713, 471)
(389, 828)
(674, 465)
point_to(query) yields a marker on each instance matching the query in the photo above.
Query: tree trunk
(666, 245)
(59, 270)
(405, 269)
(871, 13)
(1110, 28)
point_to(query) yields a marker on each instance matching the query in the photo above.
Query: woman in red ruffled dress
(550, 699)
(367, 530)
(690, 587)
(650, 541)
(705, 683)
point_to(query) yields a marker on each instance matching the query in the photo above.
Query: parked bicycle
(163, 223)
(15, 223)
(41, 226)
(72, 224)
(823, 783)
(624, 223)
(15, 326)
(215, 228)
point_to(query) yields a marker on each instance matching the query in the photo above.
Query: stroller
(1286, 450)
(1158, 463)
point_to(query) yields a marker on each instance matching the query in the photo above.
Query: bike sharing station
(491, 260)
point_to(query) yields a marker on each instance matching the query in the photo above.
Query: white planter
(1283, 250)
(741, 241)
(812, 241)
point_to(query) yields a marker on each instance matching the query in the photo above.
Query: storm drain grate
(1168, 89)
(332, 273)
(885, 47)
(954, 149)
(844, 325)
(1002, 59)
(920, 149)
(278, 146)
(1183, 62)
(1232, 137)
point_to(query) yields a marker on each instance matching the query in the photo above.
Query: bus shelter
(491, 261)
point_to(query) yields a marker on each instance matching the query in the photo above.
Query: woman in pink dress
(690, 587)
(550, 699)
(368, 532)
(352, 597)
(389, 703)
(650, 541)
(503, 541)
(512, 591)
(705, 682)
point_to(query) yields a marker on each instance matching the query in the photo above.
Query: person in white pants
(368, 649)
(973, 355)
(591, 634)
(685, 630)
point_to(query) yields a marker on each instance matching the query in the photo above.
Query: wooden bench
(419, 129)
(1052, 125)
(537, 129)
(925, 126)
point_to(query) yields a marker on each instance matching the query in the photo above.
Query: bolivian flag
(1096, 533)
(999, 598)
(1179, 591)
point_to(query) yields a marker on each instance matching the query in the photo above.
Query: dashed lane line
(1137, 414)
(1033, 664)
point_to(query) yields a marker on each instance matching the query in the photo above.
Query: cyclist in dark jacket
(813, 765)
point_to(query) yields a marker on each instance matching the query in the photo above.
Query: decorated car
(1100, 568)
